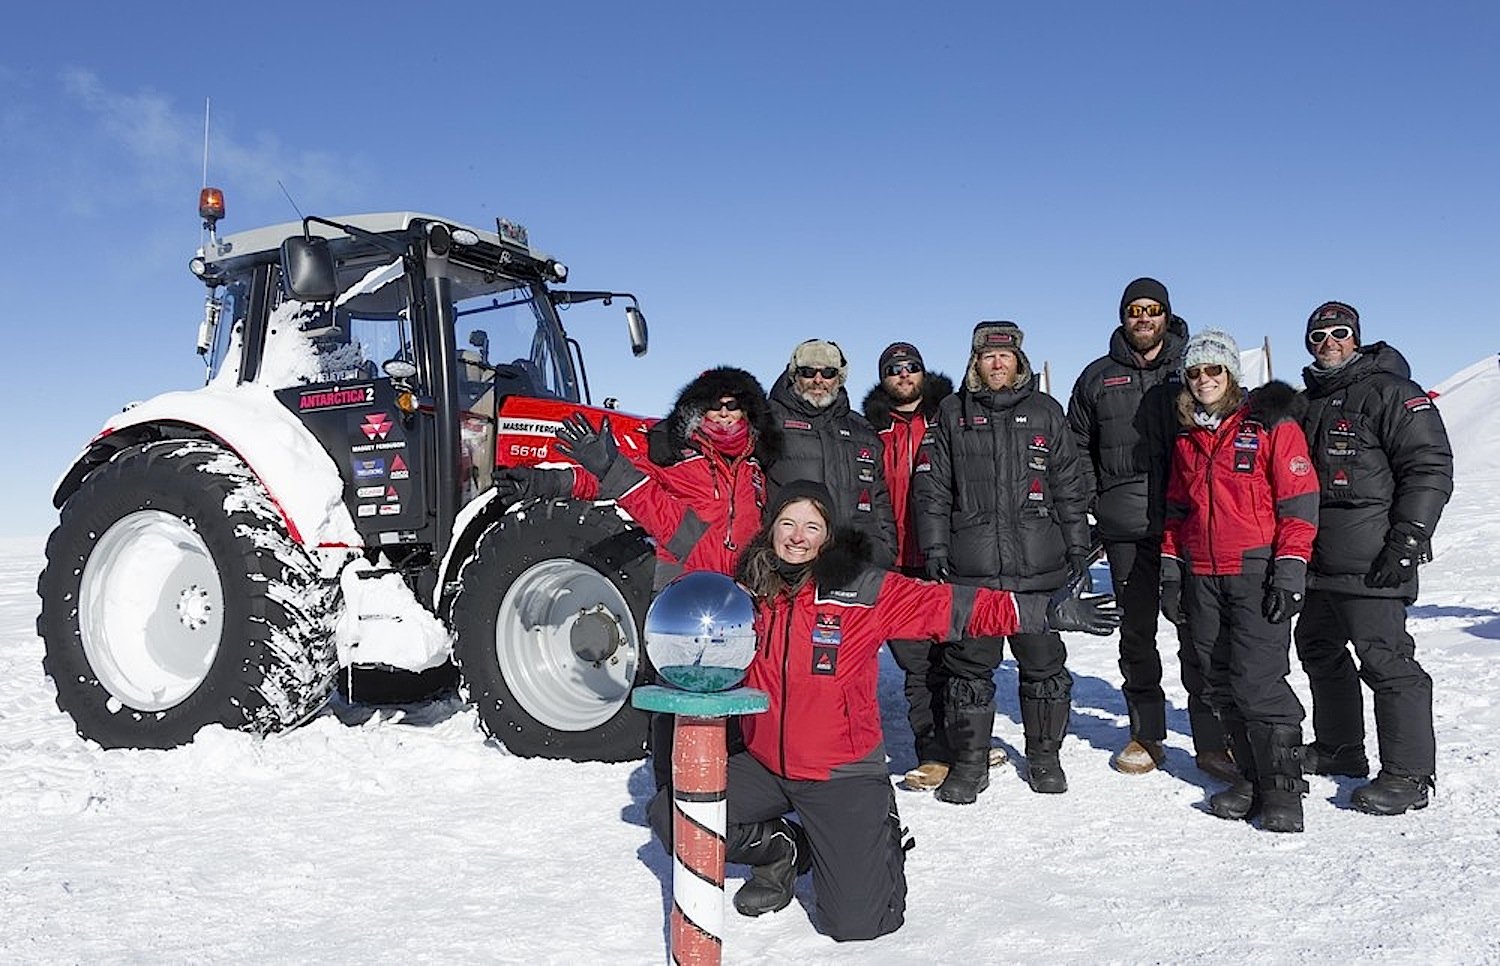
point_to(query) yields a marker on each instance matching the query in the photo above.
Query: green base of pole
(700, 704)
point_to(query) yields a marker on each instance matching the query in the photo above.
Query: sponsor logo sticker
(370, 469)
(398, 468)
(1111, 382)
(1417, 404)
(1300, 466)
(376, 426)
(825, 660)
(796, 424)
(365, 510)
(389, 509)
(369, 492)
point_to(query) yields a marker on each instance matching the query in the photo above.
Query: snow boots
(777, 852)
(1278, 763)
(930, 774)
(1045, 723)
(1240, 801)
(1348, 760)
(1391, 794)
(970, 707)
(1140, 756)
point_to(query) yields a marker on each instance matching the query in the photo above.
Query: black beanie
(899, 352)
(1145, 288)
(1335, 313)
(795, 490)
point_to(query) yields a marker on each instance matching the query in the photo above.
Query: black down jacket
(1123, 414)
(836, 447)
(999, 490)
(1382, 456)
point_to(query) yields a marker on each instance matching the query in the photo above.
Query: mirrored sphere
(700, 632)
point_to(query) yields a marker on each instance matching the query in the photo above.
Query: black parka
(1382, 456)
(999, 490)
(837, 447)
(1123, 417)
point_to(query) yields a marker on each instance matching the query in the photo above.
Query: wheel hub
(595, 635)
(194, 608)
(150, 610)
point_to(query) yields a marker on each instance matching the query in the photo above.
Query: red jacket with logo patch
(1245, 491)
(816, 656)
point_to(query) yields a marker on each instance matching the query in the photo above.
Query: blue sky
(759, 174)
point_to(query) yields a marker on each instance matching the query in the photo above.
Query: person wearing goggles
(1241, 514)
(824, 439)
(1123, 415)
(1385, 466)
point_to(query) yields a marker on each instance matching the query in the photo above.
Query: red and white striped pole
(700, 778)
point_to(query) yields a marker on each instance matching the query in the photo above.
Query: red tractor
(324, 504)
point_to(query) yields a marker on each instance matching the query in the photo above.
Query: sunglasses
(827, 372)
(728, 405)
(902, 368)
(1141, 311)
(1339, 332)
(1212, 371)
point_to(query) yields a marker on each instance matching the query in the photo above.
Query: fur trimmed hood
(674, 434)
(1276, 402)
(878, 408)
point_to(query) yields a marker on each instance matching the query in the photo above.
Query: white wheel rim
(150, 610)
(535, 651)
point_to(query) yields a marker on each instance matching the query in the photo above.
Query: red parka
(1244, 491)
(817, 658)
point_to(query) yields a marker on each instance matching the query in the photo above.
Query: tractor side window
(351, 340)
(507, 346)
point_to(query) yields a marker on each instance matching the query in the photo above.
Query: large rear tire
(174, 598)
(549, 622)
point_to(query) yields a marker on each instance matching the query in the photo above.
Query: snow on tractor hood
(298, 473)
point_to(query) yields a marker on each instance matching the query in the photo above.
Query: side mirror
(307, 270)
(399, 369)
(635, 321)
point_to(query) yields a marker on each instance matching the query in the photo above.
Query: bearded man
(1123, 416)
(827, 441)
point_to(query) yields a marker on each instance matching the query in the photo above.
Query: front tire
(549, 618)
(174, 598)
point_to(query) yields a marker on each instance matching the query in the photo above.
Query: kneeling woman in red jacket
(1242, 511)
(822, 613)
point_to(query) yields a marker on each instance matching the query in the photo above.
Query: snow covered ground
(403, 835)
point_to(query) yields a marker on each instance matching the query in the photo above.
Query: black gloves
(1068, 610)
(1078, 570)
(1405, 547)
(594, 450)
(533, 483)
(1280, 605)
(1171, 591)
(937, 567)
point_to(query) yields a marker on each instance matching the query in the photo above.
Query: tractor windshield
(509, 339)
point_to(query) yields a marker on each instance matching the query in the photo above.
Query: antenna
(289, 200)
(205, 143)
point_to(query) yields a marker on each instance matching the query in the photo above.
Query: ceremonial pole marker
(700, 771)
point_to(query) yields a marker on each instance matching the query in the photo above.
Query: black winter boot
(1241, 800)
(1278, 759)
(1045, 724)
(1392, 794)
(970, 707)
(1321, 759)
(969, 776)
(777, 852)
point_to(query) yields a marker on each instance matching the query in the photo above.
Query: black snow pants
(1376, 626)
(1135, 571)
(925, 684)
(970, 665)
(858, 861)
(1245, 658)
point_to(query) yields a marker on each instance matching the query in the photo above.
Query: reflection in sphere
(700, 632)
